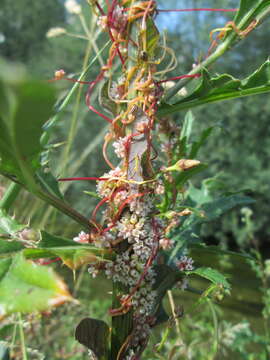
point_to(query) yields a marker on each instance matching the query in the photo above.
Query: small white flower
(82, 238)
(55, 31)
(73, 7)
(119, 147)
(185, 263)
(166, 243)
(93, 271)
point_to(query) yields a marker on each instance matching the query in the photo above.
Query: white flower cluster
(140, 335)
(119, 18)
(116, 90)
(102, 22)
(166, 243)
(120, 197)
(119, 147)
(104, 188)
(231, 333)
(127, 269)
(185, 263)
(73, 7)
(182, 284)
(131, 227)
(82, 238)
(93, 271)
(55, 31)
(141, 207)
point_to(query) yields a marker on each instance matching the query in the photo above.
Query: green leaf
(217, 207)
(165, 278)
(220, 88)
(49, 183)
(189, 232)
(208, 251)
(72, 254)
(26, 287)
(25, 106)
(151, 37)
(184, 176)
(50, 241)
(94, 334)
(212, 275)
(187, 126)
(8, 248)
(8, 225)
(250, 10)
(104, 99)
(92, 193)
(198, 144)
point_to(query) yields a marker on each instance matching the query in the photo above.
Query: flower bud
(183, 164)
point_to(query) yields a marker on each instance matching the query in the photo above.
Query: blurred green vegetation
(237, 154)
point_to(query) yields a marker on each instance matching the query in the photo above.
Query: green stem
(10, 196)
(230, 40)
(64, 208)
(221, 49)
(24, 354)
(121, 324)
(215, 320)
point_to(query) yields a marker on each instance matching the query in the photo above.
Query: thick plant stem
(10, 196)
(121, 324)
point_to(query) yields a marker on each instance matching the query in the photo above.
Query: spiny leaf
(212, 275)
(219, 88)
(8, 225)
(219, 206)
(72, 254)
(26, 287)
(49, 183)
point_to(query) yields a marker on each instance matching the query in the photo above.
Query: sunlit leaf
(8, 247)
(26, 287)
(72, 254)
(8, 225)
(212, 275)
(25, 106)
(219, 88)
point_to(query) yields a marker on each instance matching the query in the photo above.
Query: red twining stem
(88, 96)
(83, 178)
(178, 78)
(149, 261)
(110, 21)
(127, 301)
(72, 80)
(195, 9)
(48, 262)
(99, 8)
(103, 201)
(127, 201)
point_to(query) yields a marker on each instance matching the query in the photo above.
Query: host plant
(144, 229)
